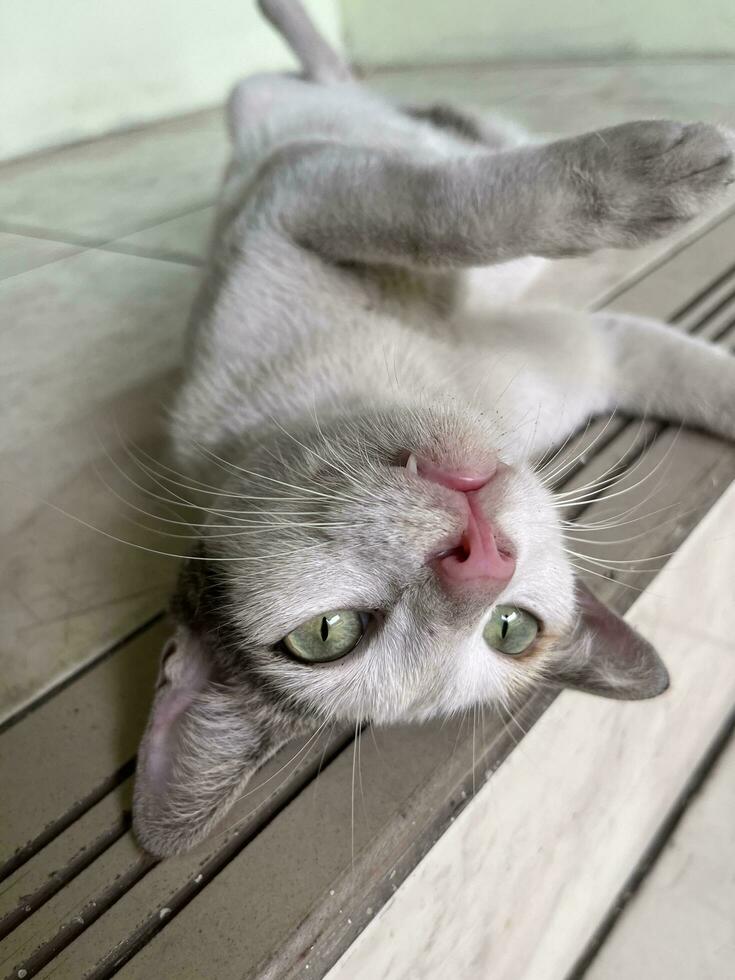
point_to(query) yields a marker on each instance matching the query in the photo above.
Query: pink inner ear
(607, 625)
(183, 677)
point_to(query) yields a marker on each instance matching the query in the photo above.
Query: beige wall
(74, 68)
(385, 32)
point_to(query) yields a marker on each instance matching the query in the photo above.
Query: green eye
(510, 630)
(327, 637)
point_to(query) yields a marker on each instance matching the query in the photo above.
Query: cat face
(421, 534)
(389, 566)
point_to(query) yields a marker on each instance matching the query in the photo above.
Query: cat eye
(328, 636)
(510, 630)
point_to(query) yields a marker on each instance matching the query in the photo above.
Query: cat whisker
(193, 484)
(234, 534)
(262, 476)
(239, 526)
(614, 563)
(618, 519)
(344, 470)
(589, 571)
(304, 748)
(617, 493)
(556, 474)
(254, 789)
(548, 478)
(169, 501)
(209, 490)
(630, 449)
(609, 543)
(145, 469)
(612, 475)
(613, 522)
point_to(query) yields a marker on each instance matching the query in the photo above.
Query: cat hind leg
(660, 371)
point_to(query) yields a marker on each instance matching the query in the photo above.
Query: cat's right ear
(607, 657)
(203, 741)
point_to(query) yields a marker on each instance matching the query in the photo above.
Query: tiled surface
(183, 238)
(19, 254)
(117, 185)
(681, 923)
(580, 797)
(89, 344)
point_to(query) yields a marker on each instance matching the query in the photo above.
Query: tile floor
(99, 248)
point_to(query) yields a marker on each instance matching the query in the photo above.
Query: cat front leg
(619, 187)
(634, 183)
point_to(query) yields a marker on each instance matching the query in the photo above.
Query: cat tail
(321, 63)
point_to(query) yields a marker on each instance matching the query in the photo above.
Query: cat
(379, 545)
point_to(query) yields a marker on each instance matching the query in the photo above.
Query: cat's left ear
(608, 657)
(204, 740)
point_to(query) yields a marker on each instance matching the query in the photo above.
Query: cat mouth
(464, 480)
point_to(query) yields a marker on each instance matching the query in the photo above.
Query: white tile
(89, 345)
(681, 922)
(517, 885)
(19, 254)
(186, 237)
(119, 184)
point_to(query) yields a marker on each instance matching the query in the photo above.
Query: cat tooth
(412, 466)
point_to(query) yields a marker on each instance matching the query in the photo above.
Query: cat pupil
(504, 627)
(324, 629)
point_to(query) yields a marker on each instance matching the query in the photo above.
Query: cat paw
(642, 180)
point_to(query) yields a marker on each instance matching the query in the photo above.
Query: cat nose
(463, 480)
(479, 561)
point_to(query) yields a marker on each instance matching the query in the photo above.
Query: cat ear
(203, 741)
(608, 657)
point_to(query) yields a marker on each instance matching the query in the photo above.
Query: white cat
(378, 544)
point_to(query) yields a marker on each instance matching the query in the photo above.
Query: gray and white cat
(378, 545)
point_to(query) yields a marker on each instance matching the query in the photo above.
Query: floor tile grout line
(28, 904)
(67, 819)
(74, 251)
(68, 679)
(136, 129)
(106, 243)
(113, 249)
(175, 258)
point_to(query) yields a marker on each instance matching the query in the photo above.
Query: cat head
(390, 566)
